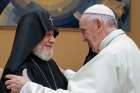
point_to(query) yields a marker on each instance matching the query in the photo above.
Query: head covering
(100, 9)
(30, 31)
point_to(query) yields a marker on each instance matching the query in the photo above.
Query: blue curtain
(3, 4)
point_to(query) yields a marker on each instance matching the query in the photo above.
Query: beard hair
(44, 55)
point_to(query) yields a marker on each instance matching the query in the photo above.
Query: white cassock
(116, 69)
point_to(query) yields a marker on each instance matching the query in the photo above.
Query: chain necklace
(43, 74)
(52, 76)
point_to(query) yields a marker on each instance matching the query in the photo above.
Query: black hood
(30, 30)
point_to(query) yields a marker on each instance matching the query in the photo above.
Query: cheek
(89, 35)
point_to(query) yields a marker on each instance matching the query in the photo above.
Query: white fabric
(69, 73)
(114, 70)
(100, 9)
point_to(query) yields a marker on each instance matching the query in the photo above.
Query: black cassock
(31, 28)
(89, 56)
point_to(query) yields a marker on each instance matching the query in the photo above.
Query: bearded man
(33, 49)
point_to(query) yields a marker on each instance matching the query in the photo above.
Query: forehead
(85, 18)
(48, 34)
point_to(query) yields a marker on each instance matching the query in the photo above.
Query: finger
(12, 86)
(12, 79)
(24, 73)
(8, 87)
(14, 90)
(10, 76)
(8, 82)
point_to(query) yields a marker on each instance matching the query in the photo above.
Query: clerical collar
(110, 37)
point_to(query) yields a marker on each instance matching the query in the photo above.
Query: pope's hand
(15, 83)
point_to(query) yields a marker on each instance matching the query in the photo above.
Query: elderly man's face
(89, 31)
(45, 48)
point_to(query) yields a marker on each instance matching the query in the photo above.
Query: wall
(6, 40)
(135, 21)
(70, 51)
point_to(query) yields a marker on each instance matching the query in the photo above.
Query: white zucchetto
(99, 9)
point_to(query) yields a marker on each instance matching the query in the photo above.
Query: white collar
(110, 37)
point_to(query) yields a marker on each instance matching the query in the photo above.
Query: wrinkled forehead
(85, 18)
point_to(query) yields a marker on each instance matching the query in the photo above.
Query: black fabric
(30, 30)
(2, 88)
(37, 76)
(89, 56)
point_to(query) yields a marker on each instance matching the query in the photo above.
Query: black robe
(30, 31)
(89, 56)
(37, 68)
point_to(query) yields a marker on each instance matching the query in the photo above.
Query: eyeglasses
(49, 34)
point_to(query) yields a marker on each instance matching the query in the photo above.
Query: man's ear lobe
(99, 23)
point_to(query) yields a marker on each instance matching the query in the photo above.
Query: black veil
(32, 26)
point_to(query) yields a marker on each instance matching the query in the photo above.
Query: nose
(52, 39)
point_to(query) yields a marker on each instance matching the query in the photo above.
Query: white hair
(109, 20)
(44, 55)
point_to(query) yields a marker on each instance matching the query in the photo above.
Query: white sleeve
(97, 76)
(69, 73)
(31, 87)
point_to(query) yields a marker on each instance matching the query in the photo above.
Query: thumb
(24, 74)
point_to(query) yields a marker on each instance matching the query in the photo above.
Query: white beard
(44, 55)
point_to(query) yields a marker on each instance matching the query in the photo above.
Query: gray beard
(43, 55)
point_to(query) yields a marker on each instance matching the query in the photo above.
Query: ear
(99, 23)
